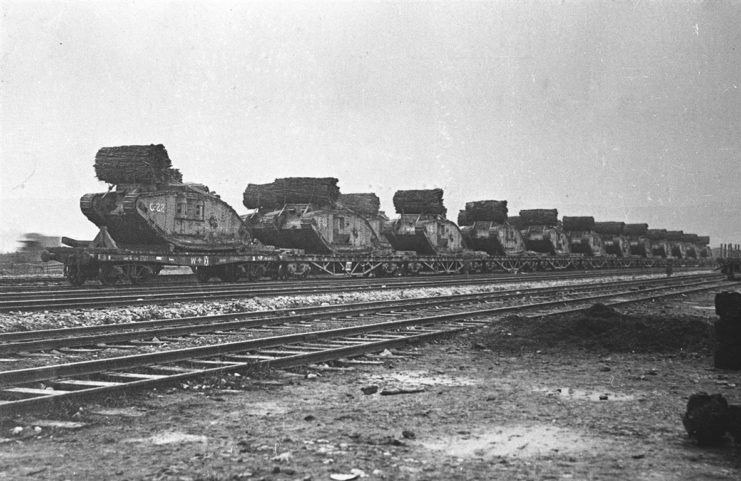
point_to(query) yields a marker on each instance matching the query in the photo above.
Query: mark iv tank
(425, 234)
(179, 217)
(316, 230)
(613, 238)
(582, 236)
(422, 226)
(484, 227)
(640, 245)
(541, 232)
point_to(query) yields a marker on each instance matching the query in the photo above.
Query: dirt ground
(596, 395)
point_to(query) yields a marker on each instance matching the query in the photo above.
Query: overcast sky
(623, 110)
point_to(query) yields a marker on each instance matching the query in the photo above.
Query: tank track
(87, 206)
(129, 203)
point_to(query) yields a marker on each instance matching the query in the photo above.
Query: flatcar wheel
(203, 274)
(109, 275)
(138, 273)
(229, 273)
(74, 274)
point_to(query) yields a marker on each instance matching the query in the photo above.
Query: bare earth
(559, 398)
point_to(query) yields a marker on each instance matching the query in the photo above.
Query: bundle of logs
(656, 234)
(318, 191)
(484, 210)
(691, 238)
(136, 164)
(539, 217)
(635, 229)
(674, 235)
(425, 201)
(728, 330)
(571, 224)
(366, 204)
(463, 219)
(609, 228)
(703, 240)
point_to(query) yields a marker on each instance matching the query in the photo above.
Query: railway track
(49, 339)
(28, 388)
(88, 298)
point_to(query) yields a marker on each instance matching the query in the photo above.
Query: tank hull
(322, 231)
(660, 249)
(587, 243)
(616, 245)
(545, 239)
(176, 216)
(640, 246)
(425, 235)
(494, 238)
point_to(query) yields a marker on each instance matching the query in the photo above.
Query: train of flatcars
(301, 226)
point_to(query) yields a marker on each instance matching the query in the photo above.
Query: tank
(315, 230)
(484, 226)
(676, 245)
(639, 245)
(582, 237)
(587, 243)
(613, 240)
(422, 226)
(703, 249)
(659, 244)
(367, 205)
(179, 217)
(493, 238)
(546, 239)
(689, 243)
(425, 234)
(542, 233)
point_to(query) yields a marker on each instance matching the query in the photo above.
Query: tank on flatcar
(485, 228)
(303, 213)
(676, 245)
(367, 205)
(659, 245)
(542, 233)
(422, 226)
(703, 247)
(582, 236)
(150, 207)
(689, 242)
(639, 244)
(613, 239)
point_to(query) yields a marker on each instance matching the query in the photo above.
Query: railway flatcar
(150, 218)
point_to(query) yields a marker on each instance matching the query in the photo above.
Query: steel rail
(43, 373)
(84, 389)
(323, 280)
(223, 367)
(29, 341)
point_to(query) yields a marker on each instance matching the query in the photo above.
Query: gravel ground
(596, 395)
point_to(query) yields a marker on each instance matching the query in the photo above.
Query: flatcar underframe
(111, 266)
